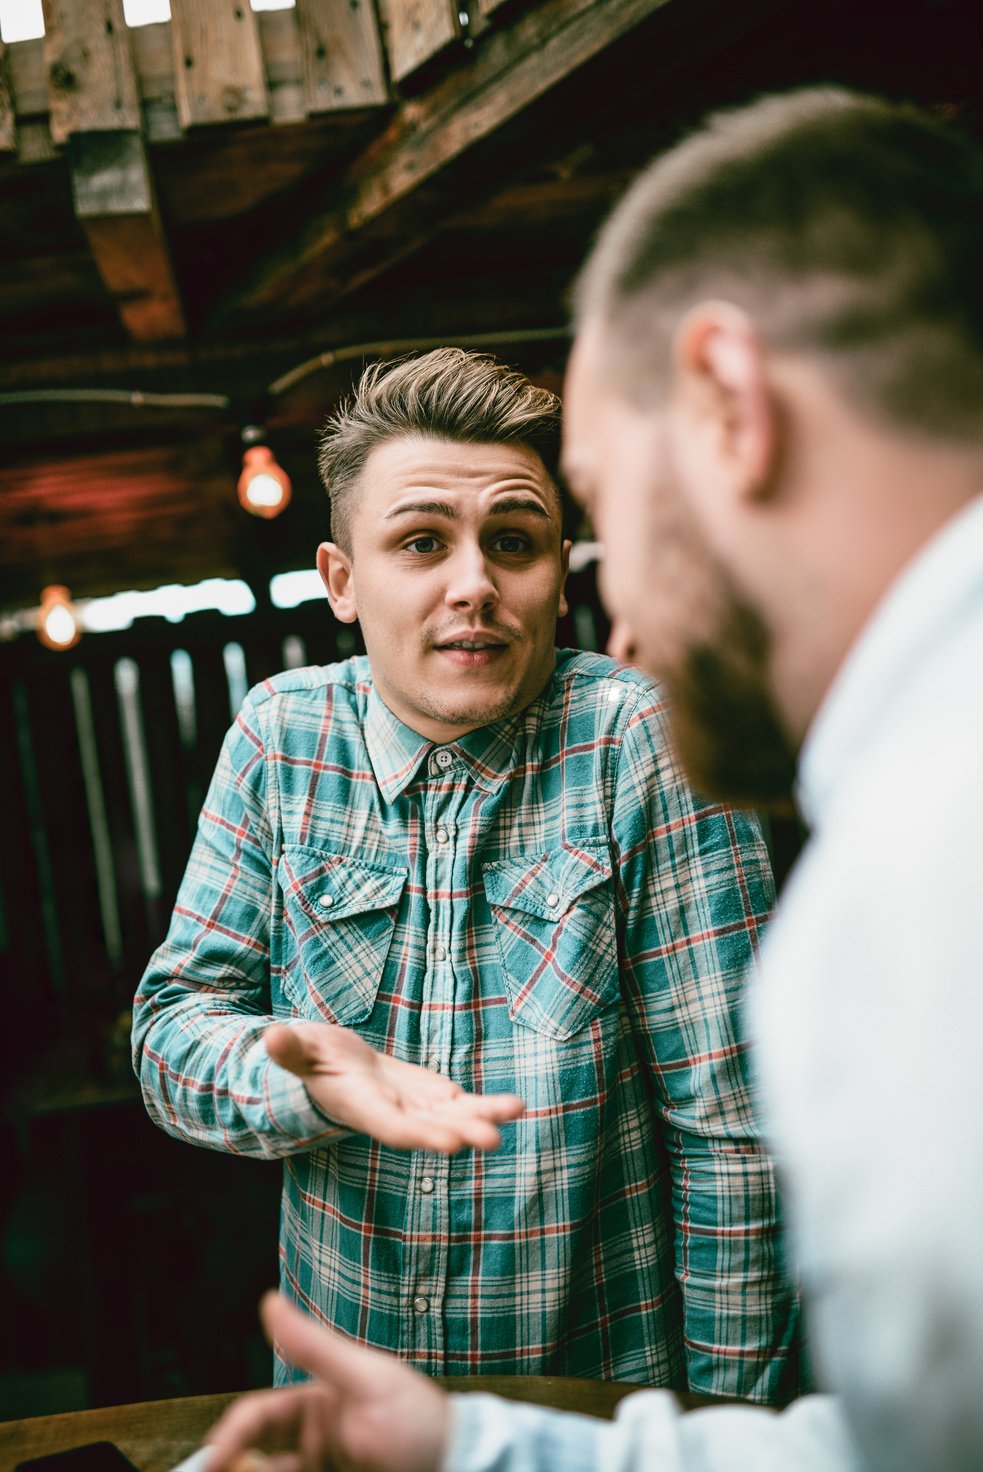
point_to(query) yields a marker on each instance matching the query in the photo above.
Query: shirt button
(442, 835)
(325, 901)
(426, 1185)
(440, 953)
(552, 900)
(420, 1304)
(443, 758)
(433, 1063)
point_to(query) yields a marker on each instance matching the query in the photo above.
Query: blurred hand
(368, 1412)
(396, 1103)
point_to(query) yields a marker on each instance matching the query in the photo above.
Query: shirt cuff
(650, 1433)
(290, 1108)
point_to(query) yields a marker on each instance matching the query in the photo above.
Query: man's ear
(720, 361)
(335, 567)
(563, 606)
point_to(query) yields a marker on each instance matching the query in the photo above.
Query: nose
(470, 583)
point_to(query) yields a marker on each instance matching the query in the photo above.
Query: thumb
(334, 1361)
(287, 1047)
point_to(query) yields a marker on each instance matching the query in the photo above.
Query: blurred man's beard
(726, 728)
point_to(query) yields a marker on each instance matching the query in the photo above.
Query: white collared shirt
(869, 1016)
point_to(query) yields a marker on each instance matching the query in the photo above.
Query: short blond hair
(449, 393)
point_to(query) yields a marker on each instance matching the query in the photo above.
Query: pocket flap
(335, 886)
(547, 884)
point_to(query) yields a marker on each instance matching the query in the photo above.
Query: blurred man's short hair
(847, 227)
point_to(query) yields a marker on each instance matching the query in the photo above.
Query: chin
(726, 728)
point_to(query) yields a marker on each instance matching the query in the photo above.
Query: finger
(408, 1125)
(335, 1362)
(268, 1418)
(499, 1107)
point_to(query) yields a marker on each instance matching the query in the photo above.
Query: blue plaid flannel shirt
(544, 907)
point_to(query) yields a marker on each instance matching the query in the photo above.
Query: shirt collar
(919, 608)
(491, 753)
(394, 750)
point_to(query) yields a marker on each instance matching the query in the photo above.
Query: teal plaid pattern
(542, 907)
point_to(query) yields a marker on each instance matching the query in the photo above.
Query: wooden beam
(218, 64)
(115, 204)
(342, 54)
(8, 131)
(428, 145)
(91, 82)
(417, 30)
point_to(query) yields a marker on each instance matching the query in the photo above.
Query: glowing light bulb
(264, 486)
(58, 624)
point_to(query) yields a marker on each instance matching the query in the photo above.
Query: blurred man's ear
(564, 607)
(621, 642)
(720, 363)
(335, 568)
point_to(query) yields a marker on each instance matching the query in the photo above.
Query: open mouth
(472, 645)
(473, 652)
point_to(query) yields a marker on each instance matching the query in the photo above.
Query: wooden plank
(153, 57)
(91, 80)
(24, 960)
(8, 138)
(63, 812)
(25, 65)
(279, 39)
(342, 55)
(165, 758)
(138, 938)
(416, 30)
(115, 204)
(428, 145)
(218, 64)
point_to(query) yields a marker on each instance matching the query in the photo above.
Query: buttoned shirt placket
(428, 1206)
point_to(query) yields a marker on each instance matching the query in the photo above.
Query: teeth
(469, 644)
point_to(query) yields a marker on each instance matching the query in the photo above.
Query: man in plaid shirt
(468, 863)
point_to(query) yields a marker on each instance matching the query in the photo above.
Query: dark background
(457, 204)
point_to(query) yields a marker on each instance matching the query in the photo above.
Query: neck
(862, 501)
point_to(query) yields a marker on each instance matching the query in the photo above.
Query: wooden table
(157, 1434)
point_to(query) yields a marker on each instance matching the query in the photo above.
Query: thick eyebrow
(507, 506)
(424, 508)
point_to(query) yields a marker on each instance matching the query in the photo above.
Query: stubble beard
(725, 724)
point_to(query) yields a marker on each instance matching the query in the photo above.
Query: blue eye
(422, 545)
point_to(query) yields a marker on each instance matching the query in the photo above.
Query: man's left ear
(563, 606)
(721, 362)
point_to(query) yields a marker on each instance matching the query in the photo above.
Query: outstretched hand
(367, 1411)
(396, 1103)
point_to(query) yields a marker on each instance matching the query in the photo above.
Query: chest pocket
(556, 934)
(340, 914)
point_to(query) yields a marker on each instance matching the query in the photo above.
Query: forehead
(410, 468)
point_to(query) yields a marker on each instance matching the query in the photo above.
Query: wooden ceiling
(205, 222)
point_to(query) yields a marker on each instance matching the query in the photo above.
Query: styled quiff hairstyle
(450, 394)
(847, 227)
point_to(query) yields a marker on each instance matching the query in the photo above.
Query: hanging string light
(264, 486)
(58, 622)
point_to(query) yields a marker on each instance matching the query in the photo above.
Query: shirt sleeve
(204, 1003)
(650, 1433)
(695, 887)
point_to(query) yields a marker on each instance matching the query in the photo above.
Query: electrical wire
(412, 344)
(137, 399)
